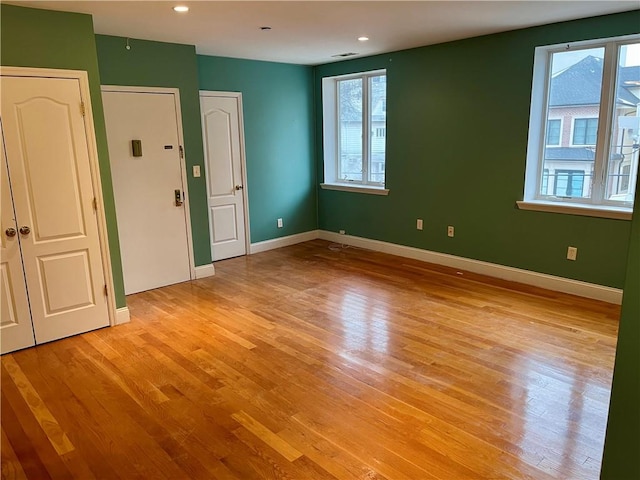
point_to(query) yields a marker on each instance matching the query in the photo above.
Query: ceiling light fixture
(181, 8)
(363, 39)
(342, 55)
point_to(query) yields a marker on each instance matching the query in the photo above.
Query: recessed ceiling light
(181, 8)
(363, 39)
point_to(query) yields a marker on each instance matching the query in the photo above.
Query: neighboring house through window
(584, 128)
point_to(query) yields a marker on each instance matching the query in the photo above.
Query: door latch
(178, 197)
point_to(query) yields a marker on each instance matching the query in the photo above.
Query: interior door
(221, 132)
(152, 222)
(16, 330)
(48, 162)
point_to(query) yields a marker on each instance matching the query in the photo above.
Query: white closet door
(16, 330)
(48, 159)
(221, 132)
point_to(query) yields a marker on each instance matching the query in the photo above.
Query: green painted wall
(48, 39)
(622, 443)
(158, 64)
(278, 125)
(457, 122)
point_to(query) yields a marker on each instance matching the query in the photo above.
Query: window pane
(553, 132)
(350, 144)
(585, 131)
(625, 129)
(544, 189)
(574, 102)
(569, 183)
(378, 124)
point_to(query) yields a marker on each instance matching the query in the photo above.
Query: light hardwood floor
(309, 363)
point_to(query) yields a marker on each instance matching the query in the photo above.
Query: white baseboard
(550, 282)
(284, 241)
(204, 271)
(122, 315)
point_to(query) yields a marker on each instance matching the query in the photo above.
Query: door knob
(25, 230)
(11, 232)
(238, 187)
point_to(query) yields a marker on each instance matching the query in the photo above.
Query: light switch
(196, 170)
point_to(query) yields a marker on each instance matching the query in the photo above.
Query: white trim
(243, 161)
(204, 271)
(284, 241)
(577, 209)
(357, 188)
(550, 282)
(122, 315)
(183, 158)
(94, 164)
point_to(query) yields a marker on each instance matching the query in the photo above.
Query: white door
(152, 222)
(223, 152)
(16, 330)
(49, 170)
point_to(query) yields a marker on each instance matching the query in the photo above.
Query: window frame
(331, 135)
(596, 204)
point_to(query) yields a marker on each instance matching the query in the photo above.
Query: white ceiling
(311, 32)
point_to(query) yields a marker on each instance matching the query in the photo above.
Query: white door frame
(83, 80)
(243, 162)
(183, 158)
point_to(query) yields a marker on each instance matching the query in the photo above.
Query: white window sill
(601, 211)
(369, 189)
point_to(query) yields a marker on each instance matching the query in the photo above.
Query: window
(594, 86)
(568, 183)
(553, 131)
(624, 178)
(352, 105)
(585, 131)
(545, 182)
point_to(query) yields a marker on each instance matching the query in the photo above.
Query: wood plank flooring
(315, 363)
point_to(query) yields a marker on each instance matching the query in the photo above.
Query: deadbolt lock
(178, 197)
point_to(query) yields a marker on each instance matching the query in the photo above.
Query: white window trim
(595, 206)
(331, 140)
(355, 187)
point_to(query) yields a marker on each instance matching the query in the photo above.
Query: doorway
(223, 138)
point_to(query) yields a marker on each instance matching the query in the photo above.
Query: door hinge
(106, 292)
(82, 109)
(95, 204)
(181, 151)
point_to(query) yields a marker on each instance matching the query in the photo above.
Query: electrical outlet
(572, 253)
(342, 232)
(196, 171)
(280, 224)
(450, 231)
(419, 224)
